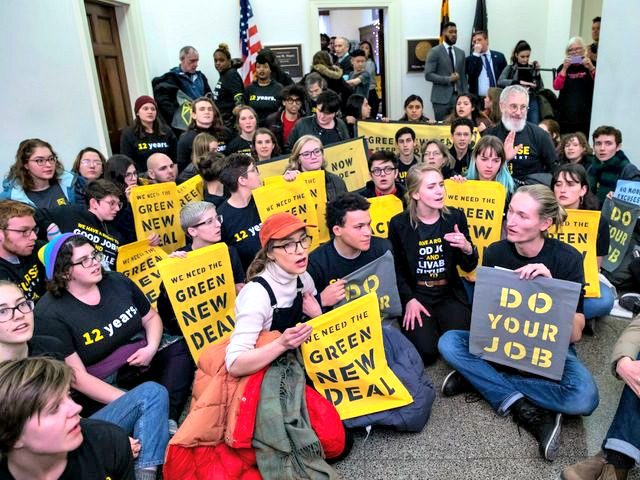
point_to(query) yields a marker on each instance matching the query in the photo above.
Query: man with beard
(351, 247)
(18, 258)
(529, 149)
(446, 70)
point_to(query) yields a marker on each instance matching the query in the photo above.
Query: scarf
(604, 175)
(286, 446)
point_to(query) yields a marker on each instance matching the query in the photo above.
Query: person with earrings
(571, 188)
(148, 135)
(536, 403)
(141, 412)
(89, 164)
(38, 178)
(104, 319)
(429, 242)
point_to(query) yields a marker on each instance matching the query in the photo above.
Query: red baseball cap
(280, 225)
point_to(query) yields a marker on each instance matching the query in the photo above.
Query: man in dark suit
(483, 66)
(343, 60)
(445, 69)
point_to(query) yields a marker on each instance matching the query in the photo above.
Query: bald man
(160, 168)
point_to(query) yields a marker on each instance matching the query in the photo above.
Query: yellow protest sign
(273, 168)
(344, 357)
(580, 230)
(202, 292)
(293, 197)
(346, 159)
(382, 136)
(139, 262)
(382, 210)
(191, 191)
(349, 161)
(314, 182)
(156, 209)
(483, 205)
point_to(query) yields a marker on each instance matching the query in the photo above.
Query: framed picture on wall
(417, 52)
(290, 58)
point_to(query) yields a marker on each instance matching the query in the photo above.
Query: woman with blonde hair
(246, 125)
(89, 164)
(307, 155)
(203, 143)
(435, 154)
(429, 242)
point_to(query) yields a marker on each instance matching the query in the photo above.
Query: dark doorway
(105, 42)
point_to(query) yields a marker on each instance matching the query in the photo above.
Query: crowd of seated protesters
(58, 292)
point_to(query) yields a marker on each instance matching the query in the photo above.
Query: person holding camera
(575, 81)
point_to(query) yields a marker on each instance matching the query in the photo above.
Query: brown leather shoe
(593, 468)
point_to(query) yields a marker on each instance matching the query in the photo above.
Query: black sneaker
(631, 302)
(455, 384)
(543, 424)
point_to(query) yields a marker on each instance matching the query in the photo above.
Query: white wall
(345, 23)
(46, 91)
(615, 99)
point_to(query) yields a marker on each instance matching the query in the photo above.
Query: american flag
(249, 41)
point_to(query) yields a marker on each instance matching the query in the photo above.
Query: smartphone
(575, 59)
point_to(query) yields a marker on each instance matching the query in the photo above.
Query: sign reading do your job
(524, 324)
(202, 292)
(344, 357)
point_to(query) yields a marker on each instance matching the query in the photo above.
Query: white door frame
(134, 55)
(392, 42)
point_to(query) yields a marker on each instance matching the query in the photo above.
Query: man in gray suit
(445, 69)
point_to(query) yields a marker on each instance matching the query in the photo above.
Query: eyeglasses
(316, 152)
(292, 247)
(90, 161)
(131, 175)
(379, 171)
(113, 203)
(87, 262)
(437, 153)
(26, 232)
(40, 161)
(294, 100)
(209, 221)
(253, 168)
(517, 108)
(7, 313)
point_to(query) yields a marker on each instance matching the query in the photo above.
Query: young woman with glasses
(307, 155)
(106, 320)
(39, 179)
(141, 412)
(89, 164)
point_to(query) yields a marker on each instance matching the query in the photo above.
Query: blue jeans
(575, 394)
(624, 433)
(600, 306)
(142, 412)
(533, 114)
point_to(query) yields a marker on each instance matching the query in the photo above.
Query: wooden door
(374, 34)
(105, 41)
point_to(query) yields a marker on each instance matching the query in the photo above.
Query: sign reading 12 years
(523, 324)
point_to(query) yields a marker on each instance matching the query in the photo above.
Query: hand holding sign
(295, 336)
(334, 293)
(413, 312)
(629, 371)
(533, 270)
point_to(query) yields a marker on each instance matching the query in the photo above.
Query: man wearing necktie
(445, 68)
(483, 66)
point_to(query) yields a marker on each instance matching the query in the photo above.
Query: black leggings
(448, 313)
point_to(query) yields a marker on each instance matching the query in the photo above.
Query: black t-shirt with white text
(238, 145)
(77, 219)
(563, 261)
(431, 265)
(95, 331)
(105, 454)
(140, 148)
(263, 99)
(326, 265)
(403, 169)
(241, 228)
